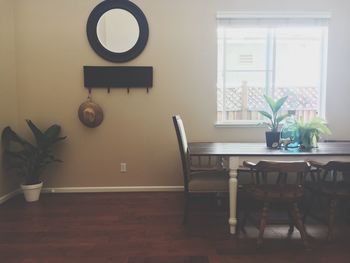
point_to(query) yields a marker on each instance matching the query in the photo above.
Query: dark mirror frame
(91, 29)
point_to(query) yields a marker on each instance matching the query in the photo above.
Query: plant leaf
(318, 124)
(282, 117)
(17, 155)
(39, 136)
(52, 132)
(9, 135)
(271, 103)
(266, 114)
(59, 139)
(279, 103)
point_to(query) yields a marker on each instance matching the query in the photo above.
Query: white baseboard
(8, 196)
(107, 189)
(113, 189)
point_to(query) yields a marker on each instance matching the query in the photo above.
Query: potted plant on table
(273, 136)
(27, 159)
(307, 134)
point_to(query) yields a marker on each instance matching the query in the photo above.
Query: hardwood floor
(146, 228)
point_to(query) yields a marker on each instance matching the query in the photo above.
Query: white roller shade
(266, 20)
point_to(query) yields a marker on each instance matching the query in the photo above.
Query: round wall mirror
(117, 30)
(118, 39)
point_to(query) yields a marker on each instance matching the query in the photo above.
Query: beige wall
(53, 48)
(8, 94)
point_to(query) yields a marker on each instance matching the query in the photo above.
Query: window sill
(249, 124)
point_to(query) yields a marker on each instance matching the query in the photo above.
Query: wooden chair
(332, 181)
(277, 183)
(206, 180)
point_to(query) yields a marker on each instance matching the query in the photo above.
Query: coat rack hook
(108, 90)
(89, 95)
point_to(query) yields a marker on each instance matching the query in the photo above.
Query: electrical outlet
(123, 167)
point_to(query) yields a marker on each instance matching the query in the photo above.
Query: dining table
(254, 152)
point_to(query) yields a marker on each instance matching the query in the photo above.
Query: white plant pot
(32, 192)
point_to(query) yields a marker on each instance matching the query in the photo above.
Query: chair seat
(274, 193)
(208, 181)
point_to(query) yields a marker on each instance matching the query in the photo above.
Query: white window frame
(281, 15)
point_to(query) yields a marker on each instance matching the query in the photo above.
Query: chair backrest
(332, 170)
(282, 169)
(183, 147)
(338, 166)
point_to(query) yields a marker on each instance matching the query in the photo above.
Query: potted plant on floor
(27, 159)
(273, 136)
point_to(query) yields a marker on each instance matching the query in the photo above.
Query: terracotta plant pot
(32, 192)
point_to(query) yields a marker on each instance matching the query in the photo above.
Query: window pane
(238, 79)
(298, 57)
(246, 49)
(244, 95)
(298, 69)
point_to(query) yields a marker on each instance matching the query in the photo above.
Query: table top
(260, 149)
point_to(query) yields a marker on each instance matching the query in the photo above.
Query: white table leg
(234, 164)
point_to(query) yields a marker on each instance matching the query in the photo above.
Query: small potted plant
(307, 134)
(273, 136)
(27, 159)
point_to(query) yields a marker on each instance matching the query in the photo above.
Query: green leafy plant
(27, 159)
(309, 133)
(274, 117)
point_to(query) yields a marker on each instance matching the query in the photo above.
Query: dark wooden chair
(332, 181)
(276, 184)
(213, 179)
